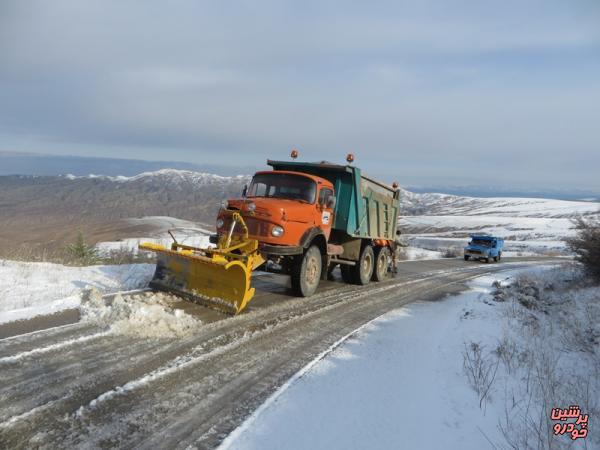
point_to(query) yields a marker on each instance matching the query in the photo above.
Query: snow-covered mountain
(170, 177)
(51, 209)
(445, 204)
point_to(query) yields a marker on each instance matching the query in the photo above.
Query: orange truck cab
(311, 217)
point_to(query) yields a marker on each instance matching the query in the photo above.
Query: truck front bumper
(281, 250)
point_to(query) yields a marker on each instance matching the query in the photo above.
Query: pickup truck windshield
(481, 242)
(282, 185)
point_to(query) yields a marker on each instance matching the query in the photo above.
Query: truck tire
(487, 260)
(495, 259)
(467, 257)
(306, 272)
(382, 262)
(363, 270)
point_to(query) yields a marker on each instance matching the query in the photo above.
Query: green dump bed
(365, 208)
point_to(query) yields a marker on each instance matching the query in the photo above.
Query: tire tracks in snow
(199, 388)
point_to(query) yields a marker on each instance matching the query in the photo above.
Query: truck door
(325, 204)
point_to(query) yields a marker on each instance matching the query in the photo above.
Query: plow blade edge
(215, 282)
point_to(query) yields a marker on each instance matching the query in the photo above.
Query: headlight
(277, 231)
(251, 207)
(224, 204)
(220, 223)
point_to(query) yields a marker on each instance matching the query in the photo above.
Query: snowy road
(82, 386)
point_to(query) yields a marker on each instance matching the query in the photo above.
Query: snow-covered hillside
(529, 225)
(432, 221)
(444, 204)
(186, 232)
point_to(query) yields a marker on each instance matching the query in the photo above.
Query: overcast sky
(429, 92)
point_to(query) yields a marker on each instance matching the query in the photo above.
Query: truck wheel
(467, 257)
(382, 262)
(363, 270)
(307, 272)
(495, 259)
(487, 260)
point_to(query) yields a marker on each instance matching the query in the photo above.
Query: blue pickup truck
(484, 248)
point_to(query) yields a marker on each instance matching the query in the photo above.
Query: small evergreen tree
(586, 245)
(82, 252)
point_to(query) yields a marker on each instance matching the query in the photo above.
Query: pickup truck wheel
(363, 270)
(307, 272)
(382, 262)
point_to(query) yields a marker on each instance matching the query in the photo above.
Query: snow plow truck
(300, 219)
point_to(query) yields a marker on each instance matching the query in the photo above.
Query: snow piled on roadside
(29, 289)
(411, 253)
(399, 382)
(143, 315)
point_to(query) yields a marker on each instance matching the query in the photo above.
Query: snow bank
(400, 383)
(144, 315)
(29, 289)
(411, 253)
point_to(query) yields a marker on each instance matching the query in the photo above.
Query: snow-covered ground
(185, 232)
(412, 252)
(401, 382)
(29, 289)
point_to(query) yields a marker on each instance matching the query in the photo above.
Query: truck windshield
(283, 185)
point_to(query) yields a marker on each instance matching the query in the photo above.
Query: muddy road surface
(82, 385)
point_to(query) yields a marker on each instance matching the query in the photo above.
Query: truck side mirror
(245, 190)
(331, 201)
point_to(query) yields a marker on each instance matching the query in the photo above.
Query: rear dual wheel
(382, 263)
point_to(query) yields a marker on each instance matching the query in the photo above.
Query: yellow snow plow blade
(217, 277)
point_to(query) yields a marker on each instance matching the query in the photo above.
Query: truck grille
(256, 227)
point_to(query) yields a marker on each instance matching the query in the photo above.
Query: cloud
(433, 90)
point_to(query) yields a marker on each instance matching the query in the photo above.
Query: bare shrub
(586, 245)
(480, 370)
(508, 353)
(126, 256)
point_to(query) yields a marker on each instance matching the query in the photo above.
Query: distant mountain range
(47, 211)
(12, 163)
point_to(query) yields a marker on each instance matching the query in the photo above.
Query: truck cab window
(284, 186)
(324, 196)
